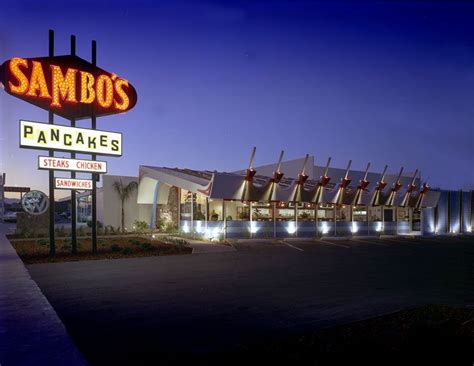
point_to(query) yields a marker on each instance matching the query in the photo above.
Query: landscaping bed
(37, 250)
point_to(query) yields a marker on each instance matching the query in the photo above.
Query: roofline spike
(252, 157)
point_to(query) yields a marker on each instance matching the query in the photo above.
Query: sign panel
(45, 136)
(69, 183)
(69, 86)
(35, 203)
(17, 189)
(72, 165)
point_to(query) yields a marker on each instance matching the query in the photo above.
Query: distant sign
(35, 202)
(43, 136)
(17, 189)
(74, 184)
(73, 165)
(69, 86)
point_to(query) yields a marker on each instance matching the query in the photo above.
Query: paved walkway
(200, 247)
(30, 331)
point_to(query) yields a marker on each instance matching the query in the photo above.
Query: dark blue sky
(387, 82)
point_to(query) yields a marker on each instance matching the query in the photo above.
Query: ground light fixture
(325, 228)
(354, 228)
(291, 228)
(379, 227)
(253, 228)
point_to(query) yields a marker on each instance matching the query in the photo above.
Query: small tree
(124, 192)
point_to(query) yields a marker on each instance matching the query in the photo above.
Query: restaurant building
(293, 198)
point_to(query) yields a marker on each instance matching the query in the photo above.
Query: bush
(134, 242)
(127, 251)
(170, 228)
(100, 225)
(81, 231)
(43, 242)
(61, 231)
(146, 246)
(115, 248)
(26, 233)
(140, 226)
(173, 240)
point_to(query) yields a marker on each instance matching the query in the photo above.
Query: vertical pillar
(396, 219)
(224, 216)
(95, 177)
(52, 243)
(471, 228)
(296, 218)
(383, 217)
(448, 213)
(192, 214)
(316, 219)
(274, 220)
(367, 217)
(251, 219)
(335, 219)
(155, 203)
(179, 209)
(73, 176)
(206, 217)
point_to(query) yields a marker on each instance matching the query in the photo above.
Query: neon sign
(69, 86)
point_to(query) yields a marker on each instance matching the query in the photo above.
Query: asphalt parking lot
(122, 311)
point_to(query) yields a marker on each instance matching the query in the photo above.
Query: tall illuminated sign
(68, 86)
(73, 88)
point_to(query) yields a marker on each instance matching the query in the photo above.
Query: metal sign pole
(52, 244)
(94, 176)
(73, 176)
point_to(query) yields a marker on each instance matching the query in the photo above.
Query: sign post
(52, 242)
(73, 176)
(74, 89)
(95, 177)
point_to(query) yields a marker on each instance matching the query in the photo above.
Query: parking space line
(291, 246)
(368, 242)
(329, 243)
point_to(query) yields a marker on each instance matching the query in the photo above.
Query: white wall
(112, 205)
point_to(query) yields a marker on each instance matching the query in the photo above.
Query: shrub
(100, 225)
(146, 246)
(126, 251)
(134, 242)
(173, 240)
(26, 233)
(170, 228)
(140, 226)
(61, 231)
(81, 231)
(43, 242)
(115, 248)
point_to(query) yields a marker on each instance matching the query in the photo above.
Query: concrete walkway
(31, 333)
(200, 247)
